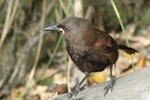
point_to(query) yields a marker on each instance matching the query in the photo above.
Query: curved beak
(52, 28)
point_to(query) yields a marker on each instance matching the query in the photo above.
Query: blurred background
(35, 65)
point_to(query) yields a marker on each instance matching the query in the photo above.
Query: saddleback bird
(91, 49)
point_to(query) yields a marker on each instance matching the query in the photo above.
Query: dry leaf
(15, 93)
(96, 78)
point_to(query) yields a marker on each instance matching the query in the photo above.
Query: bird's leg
(111, 84)
(77, 88)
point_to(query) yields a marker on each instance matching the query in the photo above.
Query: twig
(68, 74)
(78, 8)
(9, 19)
(89, 13)
(28, 84)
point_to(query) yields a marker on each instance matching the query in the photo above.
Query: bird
(91, 49)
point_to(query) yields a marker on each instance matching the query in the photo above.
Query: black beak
(52, 28)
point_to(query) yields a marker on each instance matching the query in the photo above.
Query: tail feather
(127, 49)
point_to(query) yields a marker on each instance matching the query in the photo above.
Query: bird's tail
(127, 49)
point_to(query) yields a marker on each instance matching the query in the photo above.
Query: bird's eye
(65, 28)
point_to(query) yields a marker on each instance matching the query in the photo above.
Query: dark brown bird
(91, 49)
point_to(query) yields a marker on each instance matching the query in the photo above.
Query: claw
(109, 86)
(75, 91)
(77, 88)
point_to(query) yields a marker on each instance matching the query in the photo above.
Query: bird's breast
(86, 59)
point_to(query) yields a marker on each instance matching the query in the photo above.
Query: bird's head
(70, 27)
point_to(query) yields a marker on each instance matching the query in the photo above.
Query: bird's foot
(74, 92)
(78, 88)
(109, 86)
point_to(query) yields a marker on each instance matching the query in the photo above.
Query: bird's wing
(105, 45)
